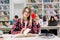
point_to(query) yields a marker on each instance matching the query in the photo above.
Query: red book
(33, 15)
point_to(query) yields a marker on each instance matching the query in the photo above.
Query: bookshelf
(36, 6)
(44, 7)
(4, 10)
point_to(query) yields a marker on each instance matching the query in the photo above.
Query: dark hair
(16, 16)
(44, 18)
(57, 16)
(28, 12)
(52, 23)
(53, 18)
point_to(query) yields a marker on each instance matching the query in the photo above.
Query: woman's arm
(36, 28)
(55, 17)
(14, 27)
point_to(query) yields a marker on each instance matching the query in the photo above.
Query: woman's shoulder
(19, 20)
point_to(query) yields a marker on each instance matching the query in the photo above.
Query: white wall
(16, 10)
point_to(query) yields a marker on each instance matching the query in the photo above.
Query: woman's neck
(25, 19)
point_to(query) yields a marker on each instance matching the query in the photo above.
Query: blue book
(11, 22)
(45, 0)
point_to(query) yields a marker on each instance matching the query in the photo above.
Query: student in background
(53, 21)
(24, 23)
(40, 20)
(43, 21)
(14, 20)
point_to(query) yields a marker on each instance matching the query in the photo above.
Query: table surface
(8, 37)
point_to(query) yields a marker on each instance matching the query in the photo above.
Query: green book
(35, 6)
(7, 1)
(33, 1)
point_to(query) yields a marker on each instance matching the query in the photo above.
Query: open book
(25, 34)
(26, 31)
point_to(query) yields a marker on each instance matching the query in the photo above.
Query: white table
(36, 38)
(8, 37)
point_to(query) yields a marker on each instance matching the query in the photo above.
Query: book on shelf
(29, 1)
(34, 1)
(38, 11)
(39, 6)
(50, 12)
(0, 7)
(45, 0)
(30, 6)
(53, 6)
(1, 14)
(59, 11)
(56, 0)
(7, 1)
(51, 0)
(56, 11)
(5, 7)
(5, 13)
(48, 0)
(35, 6)
(56, 5)
(5, 18)
(0, 18)
(38, 1)
(4, 1)
(45, 6)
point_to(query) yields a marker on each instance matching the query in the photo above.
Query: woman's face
(26, 13)
(52, 19)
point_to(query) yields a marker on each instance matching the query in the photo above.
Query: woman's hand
(30, 22)
(23, 29)
(36, 19)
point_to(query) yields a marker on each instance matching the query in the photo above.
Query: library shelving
(44, 7)
(4, 10)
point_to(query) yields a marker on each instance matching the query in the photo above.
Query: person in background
(14, 20)
(53, 18)
(43, 21)
(53, 21)
(24, 23)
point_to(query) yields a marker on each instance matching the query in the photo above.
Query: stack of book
(35, 6)
(51, 0)
(34, 1)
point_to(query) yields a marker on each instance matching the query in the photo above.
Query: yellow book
(29, 1)
(59, 11)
